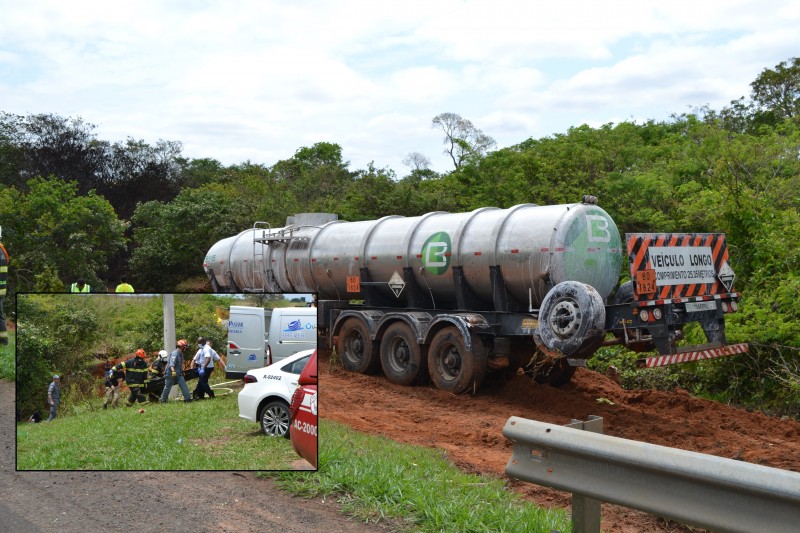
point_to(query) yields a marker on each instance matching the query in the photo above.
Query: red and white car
(303, 413)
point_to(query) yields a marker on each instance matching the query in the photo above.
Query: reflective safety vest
(124, 287)
(135, 372)
(74, 288)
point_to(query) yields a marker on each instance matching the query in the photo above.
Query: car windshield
(295, 367)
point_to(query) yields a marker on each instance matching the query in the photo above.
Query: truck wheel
(624, 294)
(452, 367)
(572, 318)
(402, 358)
(274, 418)
(357, 351)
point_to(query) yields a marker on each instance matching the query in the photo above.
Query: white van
(258, 337)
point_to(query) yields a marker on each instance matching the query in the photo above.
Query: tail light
(248, 378)
(297, 399)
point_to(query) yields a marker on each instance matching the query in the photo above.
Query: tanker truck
(448, 297)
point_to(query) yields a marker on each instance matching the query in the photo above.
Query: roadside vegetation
(416, 489)
(203, 435)
(7, 357)
(73, 205)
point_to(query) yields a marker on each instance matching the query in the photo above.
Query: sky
(255, 81)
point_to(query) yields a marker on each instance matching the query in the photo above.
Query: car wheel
(274, 419)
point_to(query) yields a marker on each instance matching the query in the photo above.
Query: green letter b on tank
(436, 253)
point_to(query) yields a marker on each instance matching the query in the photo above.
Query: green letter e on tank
(436, 253)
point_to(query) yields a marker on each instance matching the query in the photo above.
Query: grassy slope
(206, 435)
(7, 363)
(418, 489)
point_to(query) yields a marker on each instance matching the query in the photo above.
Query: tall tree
(56, 234)
(173, 238)
(416, 161)
(139, 172)
(317, 176)
(67, 148)
(47, 144)
(778, 90)
(462, 140)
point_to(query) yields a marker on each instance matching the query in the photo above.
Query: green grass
(7, 362)
(416, 489)
(205, 435)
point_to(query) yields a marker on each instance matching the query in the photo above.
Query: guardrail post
(586, 510)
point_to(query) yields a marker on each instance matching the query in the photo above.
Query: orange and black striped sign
(678, 265)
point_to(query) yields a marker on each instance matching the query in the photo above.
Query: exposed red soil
(469, 428)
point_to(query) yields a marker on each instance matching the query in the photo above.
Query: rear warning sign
(673, 265)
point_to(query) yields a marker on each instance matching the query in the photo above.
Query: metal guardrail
(699, 490)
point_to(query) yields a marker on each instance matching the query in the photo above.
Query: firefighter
(158, 365)
(135, 376)
(3, 282)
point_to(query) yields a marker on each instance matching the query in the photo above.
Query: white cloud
(256, 80)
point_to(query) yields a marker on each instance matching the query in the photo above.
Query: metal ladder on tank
(268, 237)
(258, 252)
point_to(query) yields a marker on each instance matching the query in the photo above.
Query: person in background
(124, 286)
(54, 396)
(80, 286)
(174, 372)
(3, 286)
(215, 358)
(204, 364)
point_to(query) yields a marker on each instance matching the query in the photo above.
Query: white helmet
(163, 355)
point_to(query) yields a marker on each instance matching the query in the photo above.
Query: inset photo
(166, 381)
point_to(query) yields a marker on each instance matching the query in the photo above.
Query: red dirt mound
(469, 427)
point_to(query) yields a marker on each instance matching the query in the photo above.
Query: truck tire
(452, 367)
(274, 419)
(572, 319)
(624, 294)
(357, 351)
(402, 358)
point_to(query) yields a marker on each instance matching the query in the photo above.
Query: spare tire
(572, 319)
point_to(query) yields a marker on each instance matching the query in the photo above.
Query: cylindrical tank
(533, 247)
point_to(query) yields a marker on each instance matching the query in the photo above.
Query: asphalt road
(76, 501)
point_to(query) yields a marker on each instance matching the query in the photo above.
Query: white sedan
(268, 391)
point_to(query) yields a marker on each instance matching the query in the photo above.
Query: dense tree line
(73, 205)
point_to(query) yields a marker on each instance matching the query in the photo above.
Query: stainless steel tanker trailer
(451, 296)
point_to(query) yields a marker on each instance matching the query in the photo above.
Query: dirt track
(469, 428)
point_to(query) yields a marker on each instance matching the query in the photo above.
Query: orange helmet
(182, 343)
(140, 353)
